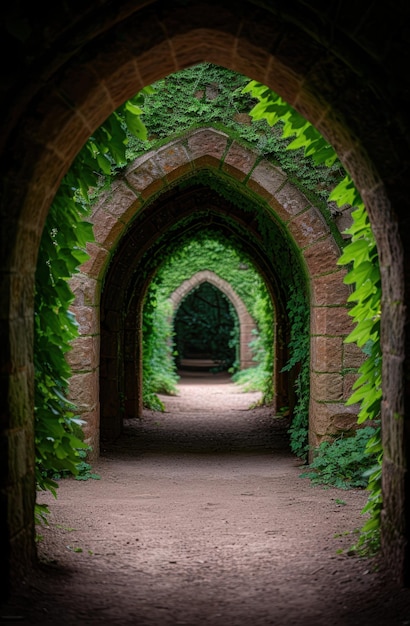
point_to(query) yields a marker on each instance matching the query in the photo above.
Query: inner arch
(202, 181)
(204, 330)
(246, 322)
(183, 212)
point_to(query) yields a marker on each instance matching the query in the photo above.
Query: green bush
(343, 463)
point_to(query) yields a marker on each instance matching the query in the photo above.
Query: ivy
(159, 372)
(360, 255)
(298, 311)
(59, 441)
(342, 463)
(209, 95)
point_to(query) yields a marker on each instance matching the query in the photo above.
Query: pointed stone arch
(147, 180)
(246, 322)
(58, 94)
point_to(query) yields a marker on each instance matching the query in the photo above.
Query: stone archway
(154, 175)
(246, 323)
(82, 62)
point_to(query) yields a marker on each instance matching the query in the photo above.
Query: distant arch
(246, 322)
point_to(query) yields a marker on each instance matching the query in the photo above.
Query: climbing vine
(299, 358)
(58, 436)
(360, 256)
(210, 95)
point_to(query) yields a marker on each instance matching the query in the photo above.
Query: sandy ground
(200, 517)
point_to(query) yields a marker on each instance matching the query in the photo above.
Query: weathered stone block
(353, 356)
(327, 387)
(348, 382)
(95, 265)
(172, 157)
(333, 320)
(156, 63)
(144, 175)
(84, 390)
(308, 227)
(331, 419)
(107, 228)
(86, 290)
(207, 142)
(239, 161)
(322, 256)
(84, 355)
(291, 199)
(326, 354)
(86, 317)
(266, 180)
(19, 396)
(330, 289)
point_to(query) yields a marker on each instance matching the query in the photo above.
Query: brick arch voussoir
(246, 322)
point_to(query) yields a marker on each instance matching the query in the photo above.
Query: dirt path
(201, 517)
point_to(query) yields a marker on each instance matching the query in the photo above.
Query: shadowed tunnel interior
(193, 423)
(176, 216)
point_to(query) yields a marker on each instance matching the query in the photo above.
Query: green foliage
(361, 255)
(273, 109)
(259, 378)
(204, 95)
(58, 440)
(61, 251)
(210, 95)
(298, 312)
(159, 373)
(208, 251)
(251, 379)
(343, 463)
(206, 324)
(362, 258)
(83, 469)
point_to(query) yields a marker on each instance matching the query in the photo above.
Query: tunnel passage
(246, 323)
(182, 188)
(182, 213)
(83, 61)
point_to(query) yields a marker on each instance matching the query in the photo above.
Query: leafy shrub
(343, 463)
(259, 378)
